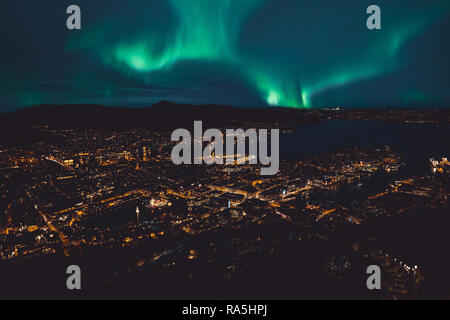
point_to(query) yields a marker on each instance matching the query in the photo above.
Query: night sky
(293, 53)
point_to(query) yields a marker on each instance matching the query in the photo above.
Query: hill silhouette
(17, 129)
(163, 115)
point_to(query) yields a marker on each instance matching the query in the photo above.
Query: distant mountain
(16, 129)
(163, 115)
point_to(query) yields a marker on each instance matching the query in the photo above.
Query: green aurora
(209, 30)
(288, 53)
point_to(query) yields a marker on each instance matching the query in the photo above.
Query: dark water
(416, 142)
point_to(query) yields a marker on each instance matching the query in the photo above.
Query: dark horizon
(342, 108)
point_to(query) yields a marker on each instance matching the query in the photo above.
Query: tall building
(145, 153)
(137, 215)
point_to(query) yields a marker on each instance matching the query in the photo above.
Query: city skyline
(354, 189)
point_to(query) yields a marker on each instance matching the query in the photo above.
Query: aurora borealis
(289, 53)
